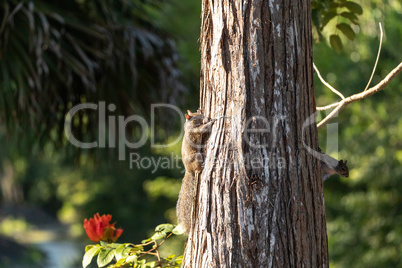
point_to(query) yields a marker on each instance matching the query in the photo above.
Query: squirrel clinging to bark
(330, 166)
(196, 130)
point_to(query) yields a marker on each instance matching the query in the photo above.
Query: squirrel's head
(194, 120)
(342, 169)
(190, 114)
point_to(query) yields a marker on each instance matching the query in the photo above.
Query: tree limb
(378, 57)
(343, 103)
(337, 92)
(327, 84)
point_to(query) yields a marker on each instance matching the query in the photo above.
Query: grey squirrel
(330, 166)
(196, 130)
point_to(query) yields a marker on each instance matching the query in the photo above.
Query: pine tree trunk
(259, 200)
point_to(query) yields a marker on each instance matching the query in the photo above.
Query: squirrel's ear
(187, 116)
(340, 161)
(346, 161)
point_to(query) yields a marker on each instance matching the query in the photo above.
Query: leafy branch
(54, 56)
(134, 255)
(345, 12)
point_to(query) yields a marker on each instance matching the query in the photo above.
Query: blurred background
(55, 55)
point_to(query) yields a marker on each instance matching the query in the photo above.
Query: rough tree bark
(260, 199)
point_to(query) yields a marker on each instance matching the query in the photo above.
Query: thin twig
(327, 107)
(327, 84)
(157, 254)
(155, 248)
(371, 77)
(147, 243)
(163, 241)
(343, 103)
(150, 250)
(378, 56)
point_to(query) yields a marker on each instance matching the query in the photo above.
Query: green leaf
(315, 17)
(161, 231)
(88, 247)
(151, 264)
(105, 256)
(179, 230)
(351, 16)
(137, 248)
(132, 259)
(122, 253)
(333, 5)
(102, 243)
(346, 30)
(170, 257)
(89, 255)
(142, 263)
(166, 227)
(121, 262)
(355, 8)
(116, 245)
(336, 43)
(179, 260)
(158, 235)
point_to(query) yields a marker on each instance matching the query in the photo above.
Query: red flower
(98, 228)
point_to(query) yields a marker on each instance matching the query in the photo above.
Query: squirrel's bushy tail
(184, 203)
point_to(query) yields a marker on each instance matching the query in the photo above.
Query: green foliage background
(364, 211)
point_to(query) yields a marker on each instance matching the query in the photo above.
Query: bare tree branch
(327, 107)
(337, 92)
(343, 103)
(327, 84)
(378, 56)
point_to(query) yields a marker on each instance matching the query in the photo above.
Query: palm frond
(54, 53)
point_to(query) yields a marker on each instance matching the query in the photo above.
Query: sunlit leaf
(158, 235)
(167, 228)
(105, 256)
(170, 257)
(89, 255)
(116, 245)
(179, 230)
(88, 247)
(179, 259)
(132, 259)
(122, 253)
